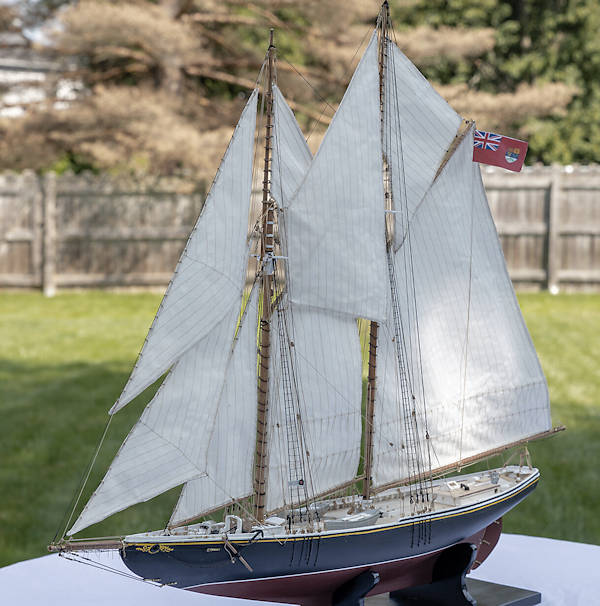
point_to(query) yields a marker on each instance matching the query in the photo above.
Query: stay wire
(82, 484)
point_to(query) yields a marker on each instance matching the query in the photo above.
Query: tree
(163, 82)
(540, 79)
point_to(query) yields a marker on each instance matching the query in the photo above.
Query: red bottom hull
(316, 589)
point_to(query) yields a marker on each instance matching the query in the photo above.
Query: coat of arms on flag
(512, 154)
(491, 148)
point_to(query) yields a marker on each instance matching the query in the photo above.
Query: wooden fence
(89, 231)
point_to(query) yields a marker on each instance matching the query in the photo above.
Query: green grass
(63, 362)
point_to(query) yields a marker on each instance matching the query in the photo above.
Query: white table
(567, 574)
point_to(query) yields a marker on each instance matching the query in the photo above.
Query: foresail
(232, 441)
(419, 128)
(211, 270)
(335, 222)
(327, 365)
(483, 384)
(168, 445)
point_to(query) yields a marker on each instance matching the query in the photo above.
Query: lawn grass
(64, 361)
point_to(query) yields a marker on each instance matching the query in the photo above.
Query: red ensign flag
(499, 150)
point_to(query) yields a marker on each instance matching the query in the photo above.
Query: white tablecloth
(567, 574)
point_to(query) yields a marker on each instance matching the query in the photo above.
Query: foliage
(65, 360)
(545, 55)
(164, 82)
(524, 68)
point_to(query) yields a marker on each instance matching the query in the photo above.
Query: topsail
(336, 220)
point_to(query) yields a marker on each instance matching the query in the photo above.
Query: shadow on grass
(52, 419)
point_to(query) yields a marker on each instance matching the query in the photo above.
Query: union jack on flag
(483, 140)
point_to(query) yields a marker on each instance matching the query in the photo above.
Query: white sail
(419, 128)
(335, 221)
(229, 477)
(210, 273)
(169, 444)
(483, 384)
(291, 155)
(327, 368)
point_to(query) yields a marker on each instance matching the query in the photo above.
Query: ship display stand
(449, 587)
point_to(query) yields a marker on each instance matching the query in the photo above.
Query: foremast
(267, 242)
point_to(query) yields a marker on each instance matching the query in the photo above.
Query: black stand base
(483, 592)
(492, 594)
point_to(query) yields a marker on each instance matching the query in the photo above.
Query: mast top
(271, 36)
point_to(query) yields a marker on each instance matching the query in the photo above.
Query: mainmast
(267, 250)
(374, 326)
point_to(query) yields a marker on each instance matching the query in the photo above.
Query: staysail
(324, 351)
(210, 268)
(482, 381)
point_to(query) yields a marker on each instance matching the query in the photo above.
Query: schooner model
(293, 483)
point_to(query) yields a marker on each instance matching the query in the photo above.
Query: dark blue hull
(405, 549)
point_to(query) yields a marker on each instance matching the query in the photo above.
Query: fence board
(101, 232)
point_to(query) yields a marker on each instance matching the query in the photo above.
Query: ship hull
(306, 569)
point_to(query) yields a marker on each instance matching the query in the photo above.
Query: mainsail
(482, 381)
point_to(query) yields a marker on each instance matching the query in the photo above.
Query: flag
(498, 150)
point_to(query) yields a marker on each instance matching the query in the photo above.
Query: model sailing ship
(387, 227)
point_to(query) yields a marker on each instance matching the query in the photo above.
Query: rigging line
(313, 88)
(344, 77)
(81, 559)
(466, 351)
(419, 349)
(404, 383)
(285, 311)
(417, 455)
(302, 401)
(85, 478)
(298, 441)
(259, 128)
